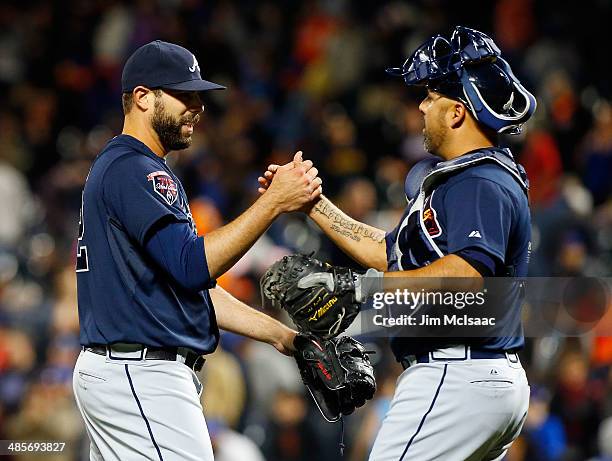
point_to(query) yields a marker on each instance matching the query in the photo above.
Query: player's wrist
(284, 341)
(289, 340)
(310, 210)
(270, 205)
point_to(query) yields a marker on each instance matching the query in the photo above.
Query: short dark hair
(127, 100)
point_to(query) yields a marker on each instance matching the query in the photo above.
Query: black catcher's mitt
(337, 373)
(325, 308)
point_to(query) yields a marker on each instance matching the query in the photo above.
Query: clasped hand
(293, 186)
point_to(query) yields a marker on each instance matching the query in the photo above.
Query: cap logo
(195, 65)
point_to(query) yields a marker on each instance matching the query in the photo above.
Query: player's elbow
(196, 284)
(194, 274)
(193, 281)
(375, 258)
(380, 263)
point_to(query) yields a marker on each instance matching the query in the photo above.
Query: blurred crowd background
(301, 75)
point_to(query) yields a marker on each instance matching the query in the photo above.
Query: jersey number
(82, 261)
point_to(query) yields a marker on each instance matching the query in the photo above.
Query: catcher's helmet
(469, 68)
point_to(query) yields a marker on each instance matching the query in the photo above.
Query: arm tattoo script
(348, 227)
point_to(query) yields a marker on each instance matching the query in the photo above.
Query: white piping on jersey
(398, 251)
(422, 223)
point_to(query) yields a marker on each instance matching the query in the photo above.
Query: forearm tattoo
(347, 227)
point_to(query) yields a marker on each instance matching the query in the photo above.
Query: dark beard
(427, 142)
(168, 128)
(431, 143)
(432, 140)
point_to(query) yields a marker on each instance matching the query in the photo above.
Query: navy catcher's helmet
(469, 68)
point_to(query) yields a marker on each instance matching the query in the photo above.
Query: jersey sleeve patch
(138, 194)
(430, 219)
(164, 185)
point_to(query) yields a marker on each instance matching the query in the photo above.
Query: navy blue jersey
(123, 295)
(477, 201)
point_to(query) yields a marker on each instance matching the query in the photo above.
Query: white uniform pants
(141, 410)
(454, 411)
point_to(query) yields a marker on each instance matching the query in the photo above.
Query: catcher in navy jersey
(467, 216)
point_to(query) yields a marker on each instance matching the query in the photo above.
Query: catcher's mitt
(337, 373)
(321, 309)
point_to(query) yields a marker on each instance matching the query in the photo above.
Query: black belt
(474, 354)
(192, 360)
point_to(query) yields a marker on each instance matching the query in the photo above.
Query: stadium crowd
(305, 76)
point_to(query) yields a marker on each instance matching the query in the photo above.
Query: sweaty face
(174, 122)
(435, 130)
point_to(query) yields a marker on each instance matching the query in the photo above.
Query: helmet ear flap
(505, 119)
(530, 104)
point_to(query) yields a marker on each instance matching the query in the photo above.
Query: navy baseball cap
(164, 65)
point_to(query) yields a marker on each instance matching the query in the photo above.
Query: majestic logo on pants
(164, 185)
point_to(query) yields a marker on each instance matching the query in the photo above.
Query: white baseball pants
(454, 411)
(141, 410)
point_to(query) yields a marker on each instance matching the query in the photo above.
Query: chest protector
(414, 244)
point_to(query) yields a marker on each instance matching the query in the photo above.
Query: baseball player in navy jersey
(148, 305)
(467, 216)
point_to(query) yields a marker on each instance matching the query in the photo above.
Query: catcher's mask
(469, 68)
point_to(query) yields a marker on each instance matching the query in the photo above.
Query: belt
(470, 354)
(186, 356)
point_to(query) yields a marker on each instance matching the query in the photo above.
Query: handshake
(291, 187)
(322, 301)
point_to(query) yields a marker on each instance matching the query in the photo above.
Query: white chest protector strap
(503, 157)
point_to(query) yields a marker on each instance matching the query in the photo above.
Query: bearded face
(174, 132)
(434, 133)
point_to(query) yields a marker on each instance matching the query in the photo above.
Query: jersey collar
(139, 146)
